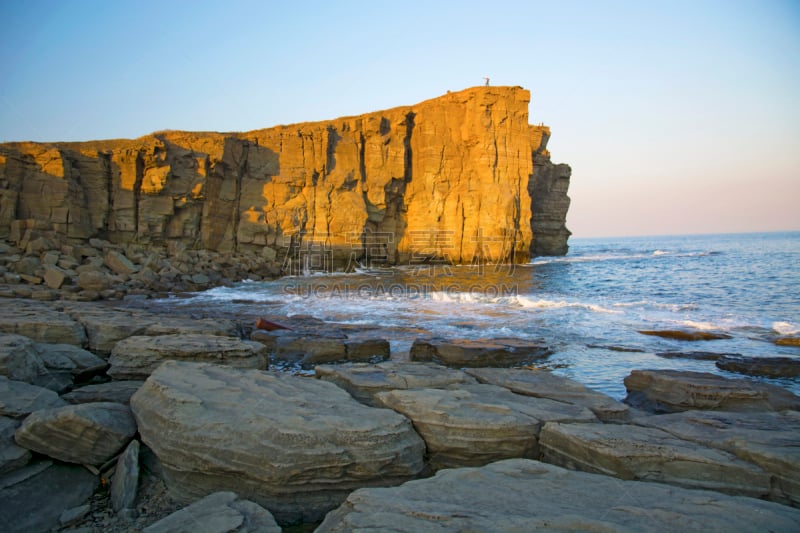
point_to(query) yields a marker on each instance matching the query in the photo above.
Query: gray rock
(294, 445)
(668, 391)
(94, 279)
(68, 357)
(544, 384)
(364, 381)
(106, 326)
(40, 322)
(54, 277)
(649, 454)
(18, 399)
(137, 357)
(120, 264)
(220, 512)
(523, 495)
(773, 367)
(19, 359)
(90, 433)
(113, 391)
(478, 424)
(769, 440)
(478, 353)
(12, 457)
(309, 349)
(72, 516)
(368, 349)
(34, 498)
(125, 484)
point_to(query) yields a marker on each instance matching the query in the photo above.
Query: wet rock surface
(478, 353)
(774, 367)
(667, 391)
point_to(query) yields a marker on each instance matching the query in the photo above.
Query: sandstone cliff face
(462, 177)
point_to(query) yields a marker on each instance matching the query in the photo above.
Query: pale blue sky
(677, 117)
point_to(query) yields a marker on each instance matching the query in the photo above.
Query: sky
(677, 117)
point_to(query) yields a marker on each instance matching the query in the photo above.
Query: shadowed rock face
(457, 177)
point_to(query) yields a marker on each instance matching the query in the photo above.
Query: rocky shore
(114, 417)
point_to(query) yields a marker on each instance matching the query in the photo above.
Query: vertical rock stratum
(463, 177)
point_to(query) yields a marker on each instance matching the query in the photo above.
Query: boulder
(137, 357)
(773, 367)
(54, 277)
(769, 440)
(12, 456)
(90, 433)
(40, 323)
(368, 350)
(686, 335)
(33, 498)
(649, 454)
(95, 280)
(294, 445)
(478, 424)
(668, 391)
(220, 512)
(125, 483)
(695, 355)
(478, 353)
(545, 384)
(113, 391)
(19, 399)
(120, 264)
(364, 381)
(19, 359)
(523, 495)
(308, 349)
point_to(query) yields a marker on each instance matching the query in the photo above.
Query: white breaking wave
(530, 303)
(785, 328)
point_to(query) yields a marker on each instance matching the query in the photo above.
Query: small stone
(54, 276)
(120, 264)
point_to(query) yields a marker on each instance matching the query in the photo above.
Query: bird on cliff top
(486, 79)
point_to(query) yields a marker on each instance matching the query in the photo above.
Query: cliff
(462, 177)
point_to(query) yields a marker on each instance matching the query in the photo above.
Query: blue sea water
(588, 306)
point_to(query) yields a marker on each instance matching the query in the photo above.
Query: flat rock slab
(90, 433)
(773, 367)
(669, 391)
(364, 381)
(523, 495)
(294, 445)
(33, 498)
(769, 440)
(686, 335)
(12, 456)
(40, 322)
(649, 454)
(220, 512)
(18, 399)
(544, 384)
(105, 326)
(137, 357)
(113, 391)
(478, 353)
(478, 424)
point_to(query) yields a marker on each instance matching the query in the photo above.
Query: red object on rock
(266, 325)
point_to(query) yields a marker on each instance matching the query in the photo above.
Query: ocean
(588, 306)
